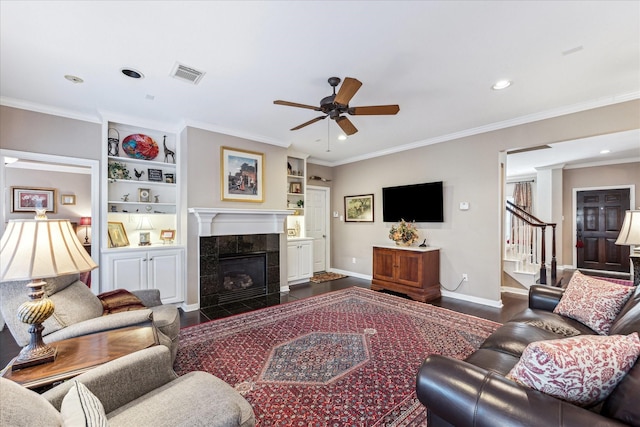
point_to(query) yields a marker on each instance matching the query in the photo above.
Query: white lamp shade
(630, 231)
(145, 224)
(38, 249)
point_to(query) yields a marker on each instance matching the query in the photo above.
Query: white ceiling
(436, 59)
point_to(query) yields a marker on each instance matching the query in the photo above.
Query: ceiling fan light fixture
(342, 137)
(134, 74)
(501, 84)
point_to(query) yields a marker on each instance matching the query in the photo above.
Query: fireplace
(242, 277)
(235, 237)
(238, 267)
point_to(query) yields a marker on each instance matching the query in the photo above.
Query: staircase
(525, 253)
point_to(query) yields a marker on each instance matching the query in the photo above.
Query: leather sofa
(475, 391)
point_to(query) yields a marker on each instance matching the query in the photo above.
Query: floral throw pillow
(582, 370)
(593, 302)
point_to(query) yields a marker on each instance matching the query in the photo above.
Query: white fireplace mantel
(228, 221)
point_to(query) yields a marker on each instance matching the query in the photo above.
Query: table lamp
(86, 221)
(34, 249)
(630, 235)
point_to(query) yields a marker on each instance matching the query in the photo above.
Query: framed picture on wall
(358, 208)
(68, 199)
(241, 175)
(25, 199)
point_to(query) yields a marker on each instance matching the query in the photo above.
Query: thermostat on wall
(464, 206)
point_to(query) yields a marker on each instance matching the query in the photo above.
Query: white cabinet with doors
(152, 269)
(299, 260)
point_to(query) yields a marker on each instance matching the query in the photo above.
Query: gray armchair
(79, 312)
(139, 389)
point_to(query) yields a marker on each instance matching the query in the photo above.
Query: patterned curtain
(522, 196)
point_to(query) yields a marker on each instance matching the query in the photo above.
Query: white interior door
(317, 225)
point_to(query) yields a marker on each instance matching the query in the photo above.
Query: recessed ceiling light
(605, 151)
(134, 74)
(342, 137)
(501, 84)
(73, 79)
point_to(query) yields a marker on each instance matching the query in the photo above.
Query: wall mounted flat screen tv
(416, 202)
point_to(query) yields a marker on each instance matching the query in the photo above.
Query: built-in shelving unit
(296, 189)
(142, 199)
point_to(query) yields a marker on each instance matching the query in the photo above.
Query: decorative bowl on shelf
(140, 146)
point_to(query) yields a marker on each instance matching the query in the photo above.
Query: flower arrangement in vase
(404, 233)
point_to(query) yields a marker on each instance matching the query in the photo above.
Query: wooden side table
(78, 355)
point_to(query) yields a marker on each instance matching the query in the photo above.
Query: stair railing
(526, 240)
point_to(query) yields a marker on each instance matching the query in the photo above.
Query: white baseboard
(350, 273)
(469, 298)
(519, 291)
(190, 307)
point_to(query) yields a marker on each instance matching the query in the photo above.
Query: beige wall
(624, 174)
(319, 171)
(24, 130)
(470, 168)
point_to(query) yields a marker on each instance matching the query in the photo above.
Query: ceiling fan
(334, 106)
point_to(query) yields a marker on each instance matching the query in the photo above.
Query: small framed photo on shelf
(154, 175)
(295, 187)
(26, 199)
(144, 195)
(358, 208)
(291, 232)
(169, 178)
(167, 236)
(68, 199)
(117, 235)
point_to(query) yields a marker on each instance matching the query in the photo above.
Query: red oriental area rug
(346, 358)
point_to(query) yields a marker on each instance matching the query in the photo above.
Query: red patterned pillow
(583, 370)
(593, 302)
(119, 300)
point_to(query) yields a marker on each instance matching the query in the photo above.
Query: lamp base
(34, 312)
(34, 356)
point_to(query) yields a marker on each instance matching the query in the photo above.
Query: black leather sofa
(475, 392)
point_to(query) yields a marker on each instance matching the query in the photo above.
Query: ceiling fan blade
(295, 104)
(309, 122)
(374, 110)
(346, 125)
(348, 88)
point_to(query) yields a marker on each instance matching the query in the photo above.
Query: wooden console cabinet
(412, 271)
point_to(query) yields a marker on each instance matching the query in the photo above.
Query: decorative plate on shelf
(140, 146)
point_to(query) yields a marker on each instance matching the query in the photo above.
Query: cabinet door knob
(150, 259)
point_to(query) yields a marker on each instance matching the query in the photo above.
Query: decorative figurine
(168, 152)
(125, 198)
(157, 200)
(138, 174)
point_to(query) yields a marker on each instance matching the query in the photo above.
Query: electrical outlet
(465, 277)
(353, 260)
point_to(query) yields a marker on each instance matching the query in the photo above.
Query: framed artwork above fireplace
(241, 175)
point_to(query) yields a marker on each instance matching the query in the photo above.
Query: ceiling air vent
(187, 74)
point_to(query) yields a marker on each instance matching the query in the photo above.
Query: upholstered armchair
(138, 389)
(79, 312)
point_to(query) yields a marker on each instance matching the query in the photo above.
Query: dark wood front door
(599, 217)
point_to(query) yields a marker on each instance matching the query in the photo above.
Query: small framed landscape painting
(242, 175)
(358, 208)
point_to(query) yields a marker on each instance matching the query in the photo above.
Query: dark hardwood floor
(511, 304)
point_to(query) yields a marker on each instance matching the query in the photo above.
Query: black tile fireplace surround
(213, 248)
